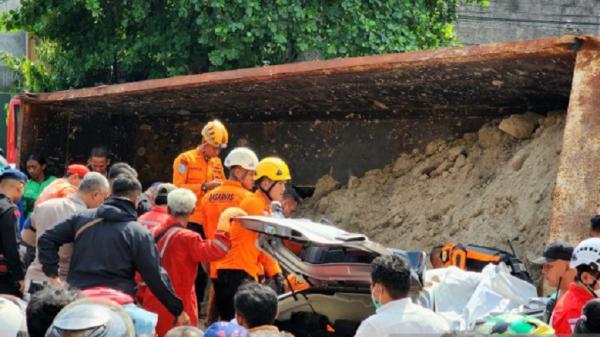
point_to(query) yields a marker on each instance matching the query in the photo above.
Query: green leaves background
(90, 42)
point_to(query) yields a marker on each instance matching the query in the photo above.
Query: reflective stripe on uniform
(221, 245)
(150, 223)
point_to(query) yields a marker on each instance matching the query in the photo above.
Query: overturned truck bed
(340, 117)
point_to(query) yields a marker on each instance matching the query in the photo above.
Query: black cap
(162, 191)
(557, 250)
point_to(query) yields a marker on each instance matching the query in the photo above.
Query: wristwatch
(204, 188)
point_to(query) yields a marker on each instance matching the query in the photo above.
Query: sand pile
(485, 188)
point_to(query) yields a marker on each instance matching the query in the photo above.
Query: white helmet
(92, 317)
(12, 319)
(242, 156)
(587, 252)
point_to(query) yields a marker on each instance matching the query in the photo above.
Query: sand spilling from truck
(484, 188)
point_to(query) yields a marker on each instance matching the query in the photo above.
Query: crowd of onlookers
(94, 254)
(85, 230)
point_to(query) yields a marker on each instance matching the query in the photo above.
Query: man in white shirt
(91, 193)
(396, 314)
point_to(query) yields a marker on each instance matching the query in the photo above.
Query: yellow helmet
(272, 168)
(215, 134)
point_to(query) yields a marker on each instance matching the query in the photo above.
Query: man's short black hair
(435, 252)
(393, 273)
(121, 168)
(99, 151)
(256, 303)
(45, 305)
(589, 324)
(290, 192)
(37, 157)
(585, 268)
(125, 185)
(596, 223)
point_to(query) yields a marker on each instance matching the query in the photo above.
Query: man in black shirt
(109, 247)
(12, 183)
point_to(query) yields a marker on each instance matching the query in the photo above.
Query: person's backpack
(475, 258)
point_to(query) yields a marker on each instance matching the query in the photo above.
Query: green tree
(90, 42)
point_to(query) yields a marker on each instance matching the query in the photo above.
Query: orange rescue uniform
(244, 253)
(230, 194)
(59, 188)
(191, 170)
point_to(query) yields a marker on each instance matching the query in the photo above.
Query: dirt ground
(484, 188)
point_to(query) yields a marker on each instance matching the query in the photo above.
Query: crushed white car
(336, 265)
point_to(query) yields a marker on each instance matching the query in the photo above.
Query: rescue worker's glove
(277, 283)
(224, 224)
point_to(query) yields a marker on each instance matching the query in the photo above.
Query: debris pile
(484, 188)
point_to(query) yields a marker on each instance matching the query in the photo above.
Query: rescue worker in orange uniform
(200, 170)
(241, 163)
(245, 260)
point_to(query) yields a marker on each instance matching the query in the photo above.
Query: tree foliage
(89, 42)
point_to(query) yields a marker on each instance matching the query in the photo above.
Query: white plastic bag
(455, 289)
(498, 292)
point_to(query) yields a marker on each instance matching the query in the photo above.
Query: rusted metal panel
(348, 65)
(489, 77)
(577, 194)
(342, 116)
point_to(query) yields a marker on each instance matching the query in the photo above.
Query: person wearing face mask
(396, 314)
(109, 247)
(245, 261)
(585, 287)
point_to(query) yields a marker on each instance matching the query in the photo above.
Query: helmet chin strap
(590, 288)
(268, 191)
